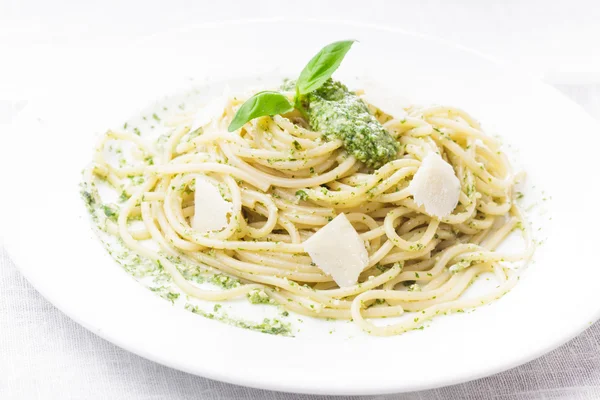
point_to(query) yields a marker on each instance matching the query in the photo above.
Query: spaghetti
(285, 182)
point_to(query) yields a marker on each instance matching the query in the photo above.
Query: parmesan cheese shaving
(210, 209)
(435, 186)
(338, 250)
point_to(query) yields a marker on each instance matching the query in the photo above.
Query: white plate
(46, 230)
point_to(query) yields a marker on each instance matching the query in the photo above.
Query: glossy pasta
(284, 182)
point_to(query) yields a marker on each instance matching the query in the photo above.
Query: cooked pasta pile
(284, 182)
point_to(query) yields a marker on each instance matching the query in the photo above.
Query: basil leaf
(322, 66)
(259, 105)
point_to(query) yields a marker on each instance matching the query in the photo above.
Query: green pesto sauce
(259, 297)
(225, 281)
(165, 293)
(338, 113)
(302, 195)
(152, 274)
(272, 326)
(111, 211)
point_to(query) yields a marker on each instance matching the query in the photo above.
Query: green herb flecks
(271, 326)
(111, 212)
(257, 296)
(88, 198)
(165, 293)
(225, 281)
(302, 195)
(123, 197)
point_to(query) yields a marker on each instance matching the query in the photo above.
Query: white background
(43, 354)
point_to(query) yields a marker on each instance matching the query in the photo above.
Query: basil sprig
(261, 104)
(315, 73)
(322, 66)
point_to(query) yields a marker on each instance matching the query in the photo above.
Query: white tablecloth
(45, 355)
